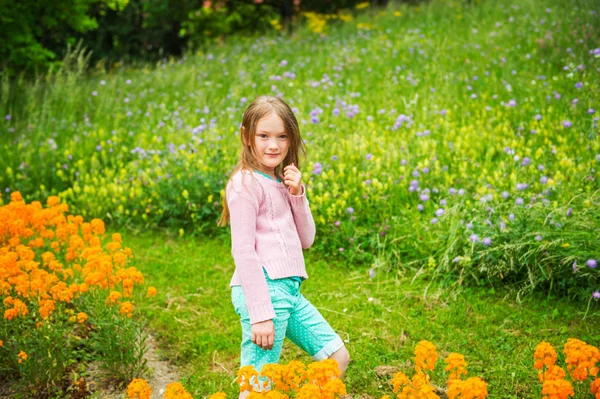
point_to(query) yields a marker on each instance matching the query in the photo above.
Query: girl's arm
(303, 218)
(244, 203)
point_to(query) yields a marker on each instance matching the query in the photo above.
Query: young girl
(271, 223)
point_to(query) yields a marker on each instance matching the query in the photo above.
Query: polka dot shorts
(295, 318)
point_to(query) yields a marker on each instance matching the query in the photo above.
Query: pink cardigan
(269, 228)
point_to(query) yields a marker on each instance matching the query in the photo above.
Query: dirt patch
(160, 373)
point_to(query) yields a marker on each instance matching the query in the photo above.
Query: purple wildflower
(569, 211)
(519, 201)
(350, 210)
(578, 85)
(543, 180)
(434, 221)
(473, 238)
(591, 263)
(538, 237)
(537, 117)
(591, 111)
(317, 169)
(334, 157)
(567, 123)
(511, 217)
(443, 202)
(371, 273)
(369, 156)
(424, 197)
(487, 241)
(575, 266)
(596, 295)
(439, 212)
(337, 223)
(512, 103)
(505, 194)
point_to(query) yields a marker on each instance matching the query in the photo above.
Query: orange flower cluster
(425, 356)
(320, 380)
(544, 360)
(581, 359)
(139, 389)
(456, 366)
(175, 390)
(471, 388)
(557, 389)
(419, 387)
(595, 388)
(48, 257)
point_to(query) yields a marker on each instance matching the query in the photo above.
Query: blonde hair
(259, 108)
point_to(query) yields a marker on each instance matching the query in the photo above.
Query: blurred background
(35, 34)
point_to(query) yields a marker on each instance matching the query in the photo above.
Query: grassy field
(452, 148)
(381, 319)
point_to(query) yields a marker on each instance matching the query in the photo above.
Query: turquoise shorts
(295, 318)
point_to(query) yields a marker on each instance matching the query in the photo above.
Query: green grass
(199, 331)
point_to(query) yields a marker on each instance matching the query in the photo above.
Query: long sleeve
(303, 218)
(244, 204)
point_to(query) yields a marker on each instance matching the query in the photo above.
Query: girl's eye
(283, 137)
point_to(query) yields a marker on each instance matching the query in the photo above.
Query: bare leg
(343, 358)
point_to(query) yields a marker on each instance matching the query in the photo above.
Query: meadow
(452, 171)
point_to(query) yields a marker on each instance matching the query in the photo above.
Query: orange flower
(581, 359)
(554, 373)
(81, 317)
(425, 356)
(456, 366)
(544, 355)
(53, 201)
(175, 390)
(594, 387)
(471, 388)
(113, 297)
(1, 342)
(138, 389)
(22, 356)
(151, 292)
(126, 309)
(218, 395)
(557, 389)
(399, 381)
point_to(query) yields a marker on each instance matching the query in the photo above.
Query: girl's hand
(263, 334)
(293, 179)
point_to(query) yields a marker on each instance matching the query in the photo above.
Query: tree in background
(34, 33)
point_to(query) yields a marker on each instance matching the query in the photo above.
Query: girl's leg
(310, 331)
(343, 358)
(252, 354)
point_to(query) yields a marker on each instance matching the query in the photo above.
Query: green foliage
(200, 331)
(382, 100)
(34, 34)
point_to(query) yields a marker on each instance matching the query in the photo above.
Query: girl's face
(271, 141)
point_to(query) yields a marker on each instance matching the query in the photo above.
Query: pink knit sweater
(269, 228)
